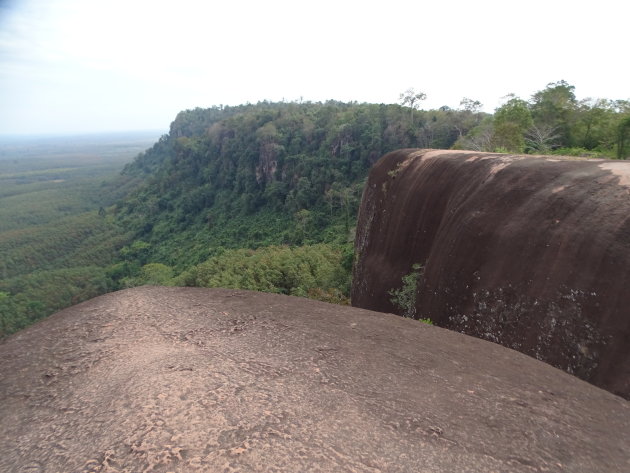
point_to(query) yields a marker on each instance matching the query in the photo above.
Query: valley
(56, 238)
(257, 196)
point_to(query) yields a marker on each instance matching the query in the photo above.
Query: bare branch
(541, 138)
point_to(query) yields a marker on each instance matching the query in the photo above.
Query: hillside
(228, 186)
(198, 380)
(259, 196)
(292, 173)
(270, 173)
(56, 238)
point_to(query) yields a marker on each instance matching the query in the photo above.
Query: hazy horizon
(73, 67)
(80, 134)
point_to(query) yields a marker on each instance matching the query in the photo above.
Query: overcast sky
(70, 66)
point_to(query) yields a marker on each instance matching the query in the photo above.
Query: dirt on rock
(158, 379)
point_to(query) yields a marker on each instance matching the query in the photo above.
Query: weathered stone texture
(188, 380)
(531, 252)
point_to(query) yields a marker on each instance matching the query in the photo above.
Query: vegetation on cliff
(260, 175)
(260, 196)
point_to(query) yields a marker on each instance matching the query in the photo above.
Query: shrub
(404, 298)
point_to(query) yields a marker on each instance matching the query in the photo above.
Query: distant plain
(53, 230)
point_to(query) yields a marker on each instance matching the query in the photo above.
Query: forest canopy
(554, 121)
(260, 196)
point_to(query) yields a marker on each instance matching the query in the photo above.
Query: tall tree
(511, 122)
(594, 125)
(410, 98)
(466, 118)
(555, 107)
(470, 105)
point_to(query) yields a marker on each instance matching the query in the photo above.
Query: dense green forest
(56, 238)
(257, 196)
(553, 121)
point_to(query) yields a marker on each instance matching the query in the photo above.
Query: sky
(81, 66)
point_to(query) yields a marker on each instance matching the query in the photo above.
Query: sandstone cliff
(530, 252)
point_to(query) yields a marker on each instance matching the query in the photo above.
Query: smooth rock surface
(531, 252)
(205, 380)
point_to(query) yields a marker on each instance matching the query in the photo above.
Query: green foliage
(316, 271)
(138, 251)
(552, 119)
(478, 138)
(623, 138)
(580, 153)
(259, 175)
(78, 240)
(554, 107)
(49, 194)
(155, 274)
(404, 298)
(53, 242)
(591, 125)
(511, 121)
(26, 299)
(259, 196)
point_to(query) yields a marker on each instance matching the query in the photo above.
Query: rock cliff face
(199, 380)
(529, 252)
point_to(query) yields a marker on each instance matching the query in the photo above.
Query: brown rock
(530, 252)
(200, 380)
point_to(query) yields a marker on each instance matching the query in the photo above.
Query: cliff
(530, 252)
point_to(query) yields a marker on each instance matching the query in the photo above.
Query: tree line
(553, 121)
(260, 196)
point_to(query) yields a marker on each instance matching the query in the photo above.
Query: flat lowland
(156, 379)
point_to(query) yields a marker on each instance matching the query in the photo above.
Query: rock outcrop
(531, 252)
(199, 380)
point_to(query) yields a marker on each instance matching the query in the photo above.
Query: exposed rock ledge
(530, 252)
(200, 380)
